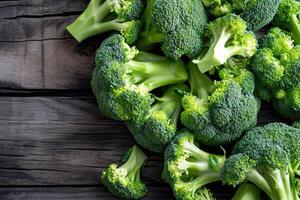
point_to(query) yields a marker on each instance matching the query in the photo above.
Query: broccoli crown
(247, 191)
(219, 112)
(260, 14)
(257, 13)
(108, 15)
(288, 18)
(275, 66)
(177, 24)
(188, 169)
(124, 77)
(124, 181)
(159, 125)
(228, 38)
(268, 157)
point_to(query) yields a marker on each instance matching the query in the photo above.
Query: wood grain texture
(35, 50)
(75, 193)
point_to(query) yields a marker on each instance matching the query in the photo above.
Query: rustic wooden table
(53, 140)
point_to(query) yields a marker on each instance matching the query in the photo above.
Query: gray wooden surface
(53, 140)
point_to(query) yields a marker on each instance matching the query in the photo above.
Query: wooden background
(53, 140)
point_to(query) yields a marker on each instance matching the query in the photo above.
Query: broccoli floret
(288, 18)
(227, 38)
(247, 191)
(257, 13)
(268, 157)
(188, 169)
(124, 77)
(108, 15)
(261, 14)
(219, 111)
(124, 181)
(156, 129)
(276, 65)
(177, 24)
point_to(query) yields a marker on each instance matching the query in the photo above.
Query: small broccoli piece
(177, 24)
(156, 129)
(268, 157)
(276, 65)
(188, 169)
(124, 77)
(257, 13)
(124, 181)
(247, 191)
(228, 38)
(108, 15)
(219, 111)
(288, 18)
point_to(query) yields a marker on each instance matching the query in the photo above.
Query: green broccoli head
(268, 157)
(260, 13)
(124, 77)
(156, 129)
(275, 66)
(124, 181)
(288, 18)
(176, 24)
(109, 15)
(257, 13)
(188, 169)
(228, 38)
(219, 112)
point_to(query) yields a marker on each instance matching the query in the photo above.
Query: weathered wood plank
(84, 193)
(35, 50)
(75, 193)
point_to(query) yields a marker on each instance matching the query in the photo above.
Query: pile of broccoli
(187, 76)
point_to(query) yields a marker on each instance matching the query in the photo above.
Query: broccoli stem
(202, 180)
(277, 184)
(154, 74)
(90, 22)
(247, 191)
(134, 163)
(148, 39)
(217, 53)
(260, 181)
(202, 160)
(295, 28)
(201, 85)
(170, 104)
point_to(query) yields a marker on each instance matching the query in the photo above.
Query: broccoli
(247, 191)
(268, 157)
(220, 8)
(177, 24)
(108, 15)
(227, 38)
(156, 129)
(219, 111)
(124, 181)
(276, 65)
(257, 13)
(188, 169)
(288, 18)
(124, 77)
